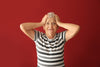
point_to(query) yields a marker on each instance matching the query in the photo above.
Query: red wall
(17, 50)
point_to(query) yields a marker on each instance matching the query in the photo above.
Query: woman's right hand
(44, 19)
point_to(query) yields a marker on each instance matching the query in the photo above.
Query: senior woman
(50, 45)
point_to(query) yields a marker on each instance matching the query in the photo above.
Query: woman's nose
(50, 25)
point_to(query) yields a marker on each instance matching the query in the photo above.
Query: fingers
(57, 17)
(45, 16)
(44, 19)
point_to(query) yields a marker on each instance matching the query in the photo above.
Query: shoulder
(62, 35)
(37, 34)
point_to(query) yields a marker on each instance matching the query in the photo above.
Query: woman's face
(50, 27)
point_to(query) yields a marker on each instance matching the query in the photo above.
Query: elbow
(21, 26)
(78, 28)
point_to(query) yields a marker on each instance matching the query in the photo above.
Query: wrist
(58, 22)
(42, 23)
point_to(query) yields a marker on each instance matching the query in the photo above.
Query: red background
(18, 50)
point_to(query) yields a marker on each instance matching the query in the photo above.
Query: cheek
(45, 27)
(55, 28)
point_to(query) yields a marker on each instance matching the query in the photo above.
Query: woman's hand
(44, 19)
(57, 19)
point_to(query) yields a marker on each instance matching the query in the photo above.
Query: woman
(50, 45)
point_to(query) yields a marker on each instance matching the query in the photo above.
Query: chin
(50, 33)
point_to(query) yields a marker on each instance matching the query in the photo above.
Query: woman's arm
(30, 25)
(72, 29)
(28, 28)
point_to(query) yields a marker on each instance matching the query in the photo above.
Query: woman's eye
(54, 23)
(47, 23)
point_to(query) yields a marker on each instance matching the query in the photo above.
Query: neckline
(52, 38)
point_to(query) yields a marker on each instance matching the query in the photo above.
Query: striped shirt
(50, 52)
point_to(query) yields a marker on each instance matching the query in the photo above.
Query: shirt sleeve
(63, 35)
(36, 35)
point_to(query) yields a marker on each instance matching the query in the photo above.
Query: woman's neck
(50, 36)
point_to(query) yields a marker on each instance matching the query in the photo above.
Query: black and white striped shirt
(50, 52)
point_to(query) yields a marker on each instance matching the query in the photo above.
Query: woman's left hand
(57, 19)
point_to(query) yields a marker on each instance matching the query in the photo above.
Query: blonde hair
(51, 15)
